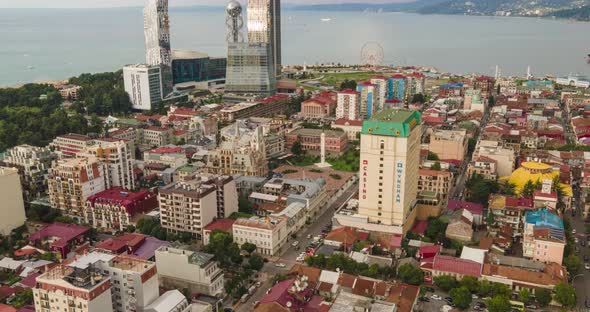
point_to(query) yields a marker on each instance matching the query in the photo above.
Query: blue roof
(544, 218)
(451, 85)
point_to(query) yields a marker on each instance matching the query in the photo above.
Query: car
(295, 244)
(258, 284)
(228, 310)
(424, 299)
(586, 258)
(474, 296)
(477, 308)
(448, 299)
(481, 304)
(531, 307)
(574, 231)
(280, 265)
(436, 297)
(300, 259)
(576, 240)
(308, 236)
(587, 266)
(429, 289)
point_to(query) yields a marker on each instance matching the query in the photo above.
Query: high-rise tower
(264, 26)
(234, 22)
(389, 159)
(157, 40)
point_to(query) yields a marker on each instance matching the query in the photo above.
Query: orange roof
(404, 296)
(313, 274)
(553, 274)
(346, 235)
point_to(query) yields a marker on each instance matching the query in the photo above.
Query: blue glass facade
(396, 88)
(198, 69)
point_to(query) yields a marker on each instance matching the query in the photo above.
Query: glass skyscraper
(250, 70)
(264, 26)
(157, 40)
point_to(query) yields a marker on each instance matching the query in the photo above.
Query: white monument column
(323, 163)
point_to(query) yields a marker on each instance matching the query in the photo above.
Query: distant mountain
(578, 9)
(385, 7)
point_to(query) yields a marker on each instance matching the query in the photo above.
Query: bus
(517, 305)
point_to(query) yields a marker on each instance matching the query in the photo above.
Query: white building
(196, 271)
(348, 105)
(268, 234)
(187, 207)
(143, 83)
(170, 301)
(380, 91)
(35, 162)
(117, 160)
(13, 209)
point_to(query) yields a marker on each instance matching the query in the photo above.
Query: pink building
(320, 106)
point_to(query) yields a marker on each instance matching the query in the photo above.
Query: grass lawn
(337, 78)
(348, 162)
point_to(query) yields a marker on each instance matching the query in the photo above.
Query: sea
(53, 44)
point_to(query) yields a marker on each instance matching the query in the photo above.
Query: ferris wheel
(372, 54)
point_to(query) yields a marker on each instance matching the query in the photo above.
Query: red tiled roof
(348, 122)
(146, 118)
(167, 150)
(539, 193)
(420, 227)
(347, 236)
(132, 201)
(348, 91)
(514, 202)
(398, 76)
(429, 251)
(456, 265)
(474, 208)
(63, 232)
(6, 308)
(224, 225)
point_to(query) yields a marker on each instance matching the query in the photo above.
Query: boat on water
(588, 58)
(327, 19)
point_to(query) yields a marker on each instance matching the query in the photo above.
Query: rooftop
(63, 232)
(543, 217)
(397, 123)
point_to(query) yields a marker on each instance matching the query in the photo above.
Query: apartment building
(484, 166)
(504, 156)
(72, 181)
(510, 211)
(269, 234)
(13, 209)
(196, 271)
(172, 156)
(33, 163)
(187, 207)
(544, 236)
(226, 193)
(157, 136)
(68, 288)
(115, 208)
(435, 181)
(449, 144)
(117, 160)
(68, 145)
(352, 128)
(348, 105)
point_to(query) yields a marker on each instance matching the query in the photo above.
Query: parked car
(424, 299)
(586, 258)
(587, 266)
(295, 244)
(474, 296)
(429, 289)
(435, 297)
(280, 265)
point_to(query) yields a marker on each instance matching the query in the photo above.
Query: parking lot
(437, 305)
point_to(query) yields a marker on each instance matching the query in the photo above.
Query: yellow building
(535, 171)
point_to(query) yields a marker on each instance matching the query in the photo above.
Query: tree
(244, 205)
(248, 247)
(130, 228)
(573, 264)
(297, 149)
(436, 166)
(524, 295)
(418, 98)
(508, 189)
(499, 303)
(461, 297)
(256, 262)
(470, 283)
(348, 84)
(410, 274)
(565, 294)
(225, 251)
(543, 296)
(490, 219)
(446, 282)
(436, 229)
(432, 156)
(528, 189)
(484, 289)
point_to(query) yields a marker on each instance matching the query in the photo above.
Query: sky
(127, 3)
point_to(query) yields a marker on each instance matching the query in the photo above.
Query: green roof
(398, 123)
(200, 258)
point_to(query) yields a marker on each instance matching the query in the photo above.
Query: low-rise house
(345, 237)
(484, 166)
(461, 226)
(224, 225)
(475, 209)
(59, 237)
(269, 234)
(509, 210)
(518, 278)
(446, 265)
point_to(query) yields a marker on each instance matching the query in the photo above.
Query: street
(288, 257)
